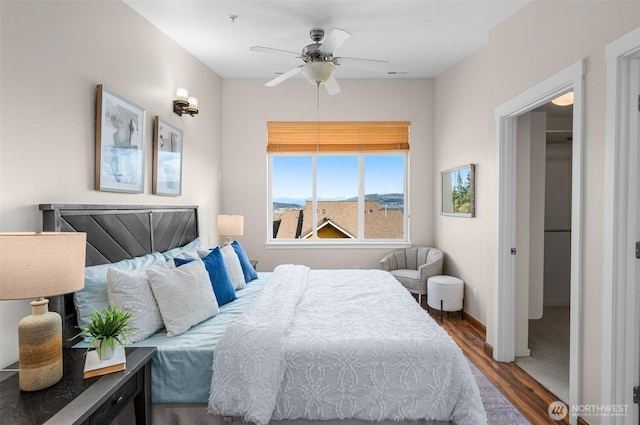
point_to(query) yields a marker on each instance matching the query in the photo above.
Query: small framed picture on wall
(167, 159)
(119, 157)
(459, 191)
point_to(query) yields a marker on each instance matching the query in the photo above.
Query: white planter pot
(105, 351)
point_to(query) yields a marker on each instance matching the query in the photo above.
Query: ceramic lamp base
(40, 351)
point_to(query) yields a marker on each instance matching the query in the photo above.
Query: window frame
(360, 242)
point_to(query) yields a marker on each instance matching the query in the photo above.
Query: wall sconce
(184, 104)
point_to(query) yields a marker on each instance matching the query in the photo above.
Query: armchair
(413, 266)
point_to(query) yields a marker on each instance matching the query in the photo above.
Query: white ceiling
(420, 38)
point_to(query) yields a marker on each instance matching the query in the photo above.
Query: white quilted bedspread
(340, 344)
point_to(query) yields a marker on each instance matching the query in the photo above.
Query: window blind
(337, 136)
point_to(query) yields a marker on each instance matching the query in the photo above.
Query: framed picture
(458, 191)
(119, 143)
(167, 159)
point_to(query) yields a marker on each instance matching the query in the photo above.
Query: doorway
(544, 156)
(504, 317)
(621, 266)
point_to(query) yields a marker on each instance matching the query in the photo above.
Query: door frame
(620, 295)
(504, 286)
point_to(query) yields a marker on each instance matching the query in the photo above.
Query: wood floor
(524, 392)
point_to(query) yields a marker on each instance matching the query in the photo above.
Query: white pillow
(131, 291)
(191, 255)
(234, 268)
(184, 296)
(192, 246)
(93, 297)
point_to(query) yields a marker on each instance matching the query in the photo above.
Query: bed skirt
(196, 414)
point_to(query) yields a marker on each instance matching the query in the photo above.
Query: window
(338, 192)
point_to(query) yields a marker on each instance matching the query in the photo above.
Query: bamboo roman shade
(337, 136)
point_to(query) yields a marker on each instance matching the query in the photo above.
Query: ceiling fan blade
(371, 64)
(261, 49)
(334, 40)
(285, 76)
(332, 86)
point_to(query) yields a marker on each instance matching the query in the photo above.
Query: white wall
(537, 41)
(461, 137)
(537, 215)
(53, 56)
(557, 251)
(557, 246)
(248, 105)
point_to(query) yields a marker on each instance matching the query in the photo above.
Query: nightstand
(75, 400)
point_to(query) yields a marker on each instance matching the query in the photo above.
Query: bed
(295, 346)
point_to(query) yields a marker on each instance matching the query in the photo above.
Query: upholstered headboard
(117, 232)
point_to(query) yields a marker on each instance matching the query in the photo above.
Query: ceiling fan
(319, 60)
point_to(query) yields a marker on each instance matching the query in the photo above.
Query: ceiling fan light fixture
(318, 72)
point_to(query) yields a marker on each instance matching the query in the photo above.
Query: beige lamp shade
(36, 265)
(231, 225)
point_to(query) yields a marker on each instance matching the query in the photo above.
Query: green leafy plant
(109, 326)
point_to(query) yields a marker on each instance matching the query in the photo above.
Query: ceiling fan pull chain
(317, 115)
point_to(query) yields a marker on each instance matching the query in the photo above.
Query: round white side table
(445, 293)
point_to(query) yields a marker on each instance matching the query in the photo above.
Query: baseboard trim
(488, 349)
(476, 324)
(482, 330)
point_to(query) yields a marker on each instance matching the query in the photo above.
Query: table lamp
(38, 265)
(230, 225)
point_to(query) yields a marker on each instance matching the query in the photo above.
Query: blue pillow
(220, 281)
(247, 269)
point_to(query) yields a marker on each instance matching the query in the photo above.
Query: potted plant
(108, 327)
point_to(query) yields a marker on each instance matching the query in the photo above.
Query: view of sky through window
(384, 174)
(338, 207)
(337, 176)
